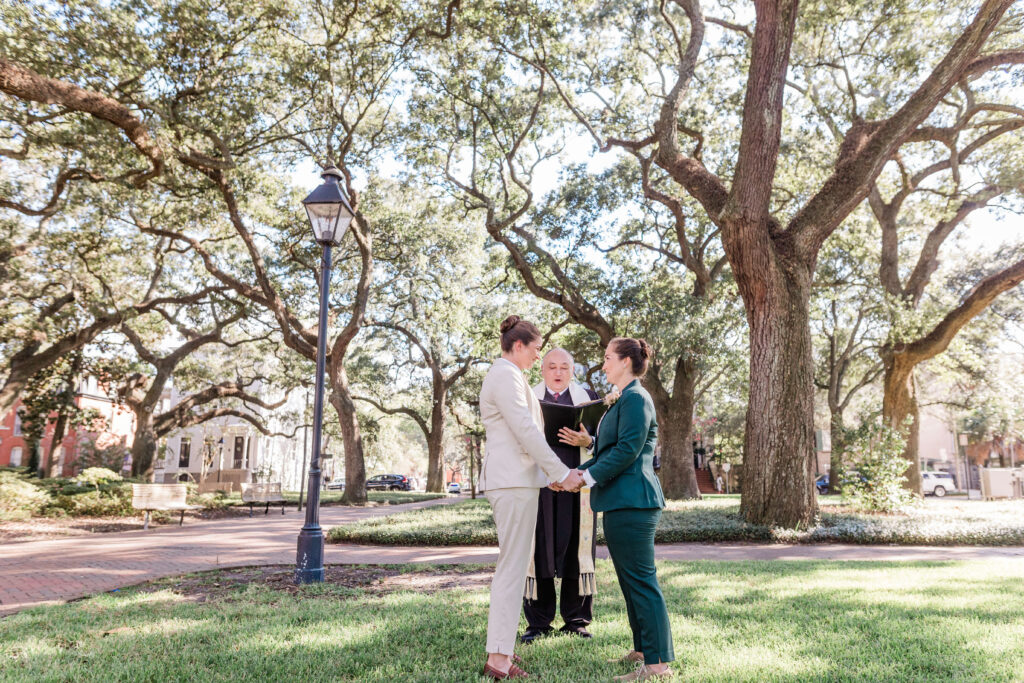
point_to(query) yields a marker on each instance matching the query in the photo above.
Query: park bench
(149, 497)
(263, 493)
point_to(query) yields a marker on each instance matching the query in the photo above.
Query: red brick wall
(120, 428)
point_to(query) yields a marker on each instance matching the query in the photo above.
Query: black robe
(558, 512)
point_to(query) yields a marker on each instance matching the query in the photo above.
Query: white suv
(937, 483)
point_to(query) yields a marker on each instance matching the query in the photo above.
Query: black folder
(558, 415)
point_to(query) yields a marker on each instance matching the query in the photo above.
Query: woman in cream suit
(517, 464)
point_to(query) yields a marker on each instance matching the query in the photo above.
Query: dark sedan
(821, 483)
(388, 482)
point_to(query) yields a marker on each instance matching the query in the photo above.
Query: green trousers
(630, 537)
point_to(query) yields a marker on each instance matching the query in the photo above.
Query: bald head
(557, 368)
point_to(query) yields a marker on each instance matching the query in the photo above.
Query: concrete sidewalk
(54, 571)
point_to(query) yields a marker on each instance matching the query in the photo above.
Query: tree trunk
(56, 445)
(13, 386)
(35, 468)
(899, 402)
(778, 449)
(472, 469)
(435, 442)
(60, 428)
(837, 430)
(355, 466)
(144, 444)
(435, 469)
(675, 433)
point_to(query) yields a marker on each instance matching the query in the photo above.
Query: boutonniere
(612, 396)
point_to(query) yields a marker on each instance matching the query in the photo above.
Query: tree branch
(705, 186)
(976, 301)
(402, 410)
(25, 84)
(869, 145)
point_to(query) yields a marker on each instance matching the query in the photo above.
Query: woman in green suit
(624, 487)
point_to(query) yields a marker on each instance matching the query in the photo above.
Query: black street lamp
(330, 215)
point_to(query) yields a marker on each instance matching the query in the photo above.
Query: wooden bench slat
(262, 492)
(160, 497)
(265, 493)
(150, 497)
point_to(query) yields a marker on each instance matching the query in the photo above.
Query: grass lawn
(746, 621)
(717, 519)
(121, 517)
(334, 497)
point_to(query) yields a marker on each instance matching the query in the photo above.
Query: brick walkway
(44, 572)
(53, 571)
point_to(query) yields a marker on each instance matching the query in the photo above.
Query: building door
(184, 453)
(239, 452)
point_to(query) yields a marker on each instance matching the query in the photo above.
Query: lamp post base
(309, 560)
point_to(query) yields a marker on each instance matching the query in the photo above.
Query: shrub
(213, 500)
(60, 486)
(20, 498)
(718, 520)
(109, 501)
(110, 457)
(875, 480)
(98, 475)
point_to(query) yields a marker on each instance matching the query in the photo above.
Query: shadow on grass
(750, 621)
(717, 519)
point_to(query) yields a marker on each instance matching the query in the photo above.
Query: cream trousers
(515, 515)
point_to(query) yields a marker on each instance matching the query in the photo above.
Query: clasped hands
(581, 439)
(573, 483)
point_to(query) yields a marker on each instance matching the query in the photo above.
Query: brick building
(119, 429)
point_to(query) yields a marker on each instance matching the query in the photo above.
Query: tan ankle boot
(631, 657)
(645, 674)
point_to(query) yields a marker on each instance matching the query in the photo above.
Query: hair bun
(645, 349)
(509, 322)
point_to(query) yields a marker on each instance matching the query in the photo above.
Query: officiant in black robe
(563, 519)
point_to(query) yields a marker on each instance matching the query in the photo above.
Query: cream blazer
(517, 454)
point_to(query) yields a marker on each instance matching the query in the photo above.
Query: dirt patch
(44, 528)
(359, 580)
(435, 581)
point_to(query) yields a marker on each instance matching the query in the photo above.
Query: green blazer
(623, 462)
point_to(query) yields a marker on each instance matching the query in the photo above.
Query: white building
(226, 451)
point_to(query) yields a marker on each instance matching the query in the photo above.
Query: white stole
(587, 578)
(579, 394)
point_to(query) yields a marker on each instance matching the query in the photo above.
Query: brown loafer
(513, 672)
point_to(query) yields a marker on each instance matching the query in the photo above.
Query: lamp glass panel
(324, 220)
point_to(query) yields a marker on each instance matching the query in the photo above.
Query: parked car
(454, 487)
(821, 483)
(336, 485)
(937, 483)
(388, 482)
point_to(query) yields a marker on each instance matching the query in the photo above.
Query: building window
(184, 453)
(239, 452)
(17, 423)
(16, 456)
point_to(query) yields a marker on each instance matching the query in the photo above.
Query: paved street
(53, 571)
